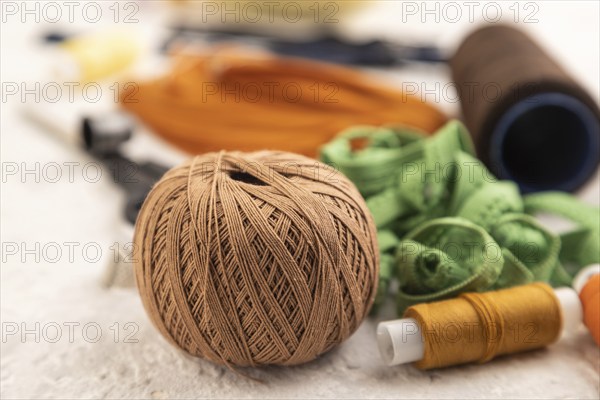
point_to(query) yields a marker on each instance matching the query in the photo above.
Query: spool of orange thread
(477, 327)
(587, 284)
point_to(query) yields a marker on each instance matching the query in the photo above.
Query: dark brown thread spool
(543, 129)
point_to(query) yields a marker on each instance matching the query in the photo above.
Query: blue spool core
(549, 141)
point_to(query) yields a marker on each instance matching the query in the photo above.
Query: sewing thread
(239, 100)
(255, 259)
(477, 327)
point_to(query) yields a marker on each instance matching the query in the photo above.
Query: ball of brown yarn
(251, 259)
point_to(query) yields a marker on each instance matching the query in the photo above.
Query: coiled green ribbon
(447, 226)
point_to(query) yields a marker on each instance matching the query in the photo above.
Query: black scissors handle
(103, 138)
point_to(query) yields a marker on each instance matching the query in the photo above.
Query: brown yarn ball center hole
(246, 178)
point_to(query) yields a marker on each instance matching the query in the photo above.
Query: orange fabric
(590, 298)
(240, 100)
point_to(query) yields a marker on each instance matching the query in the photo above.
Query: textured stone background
(69, 292)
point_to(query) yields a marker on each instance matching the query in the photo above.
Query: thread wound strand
(477, 327)
(255, 259)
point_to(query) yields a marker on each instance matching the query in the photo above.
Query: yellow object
(321, 11)
(318, 10)
(476, 327)
(101, 55)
